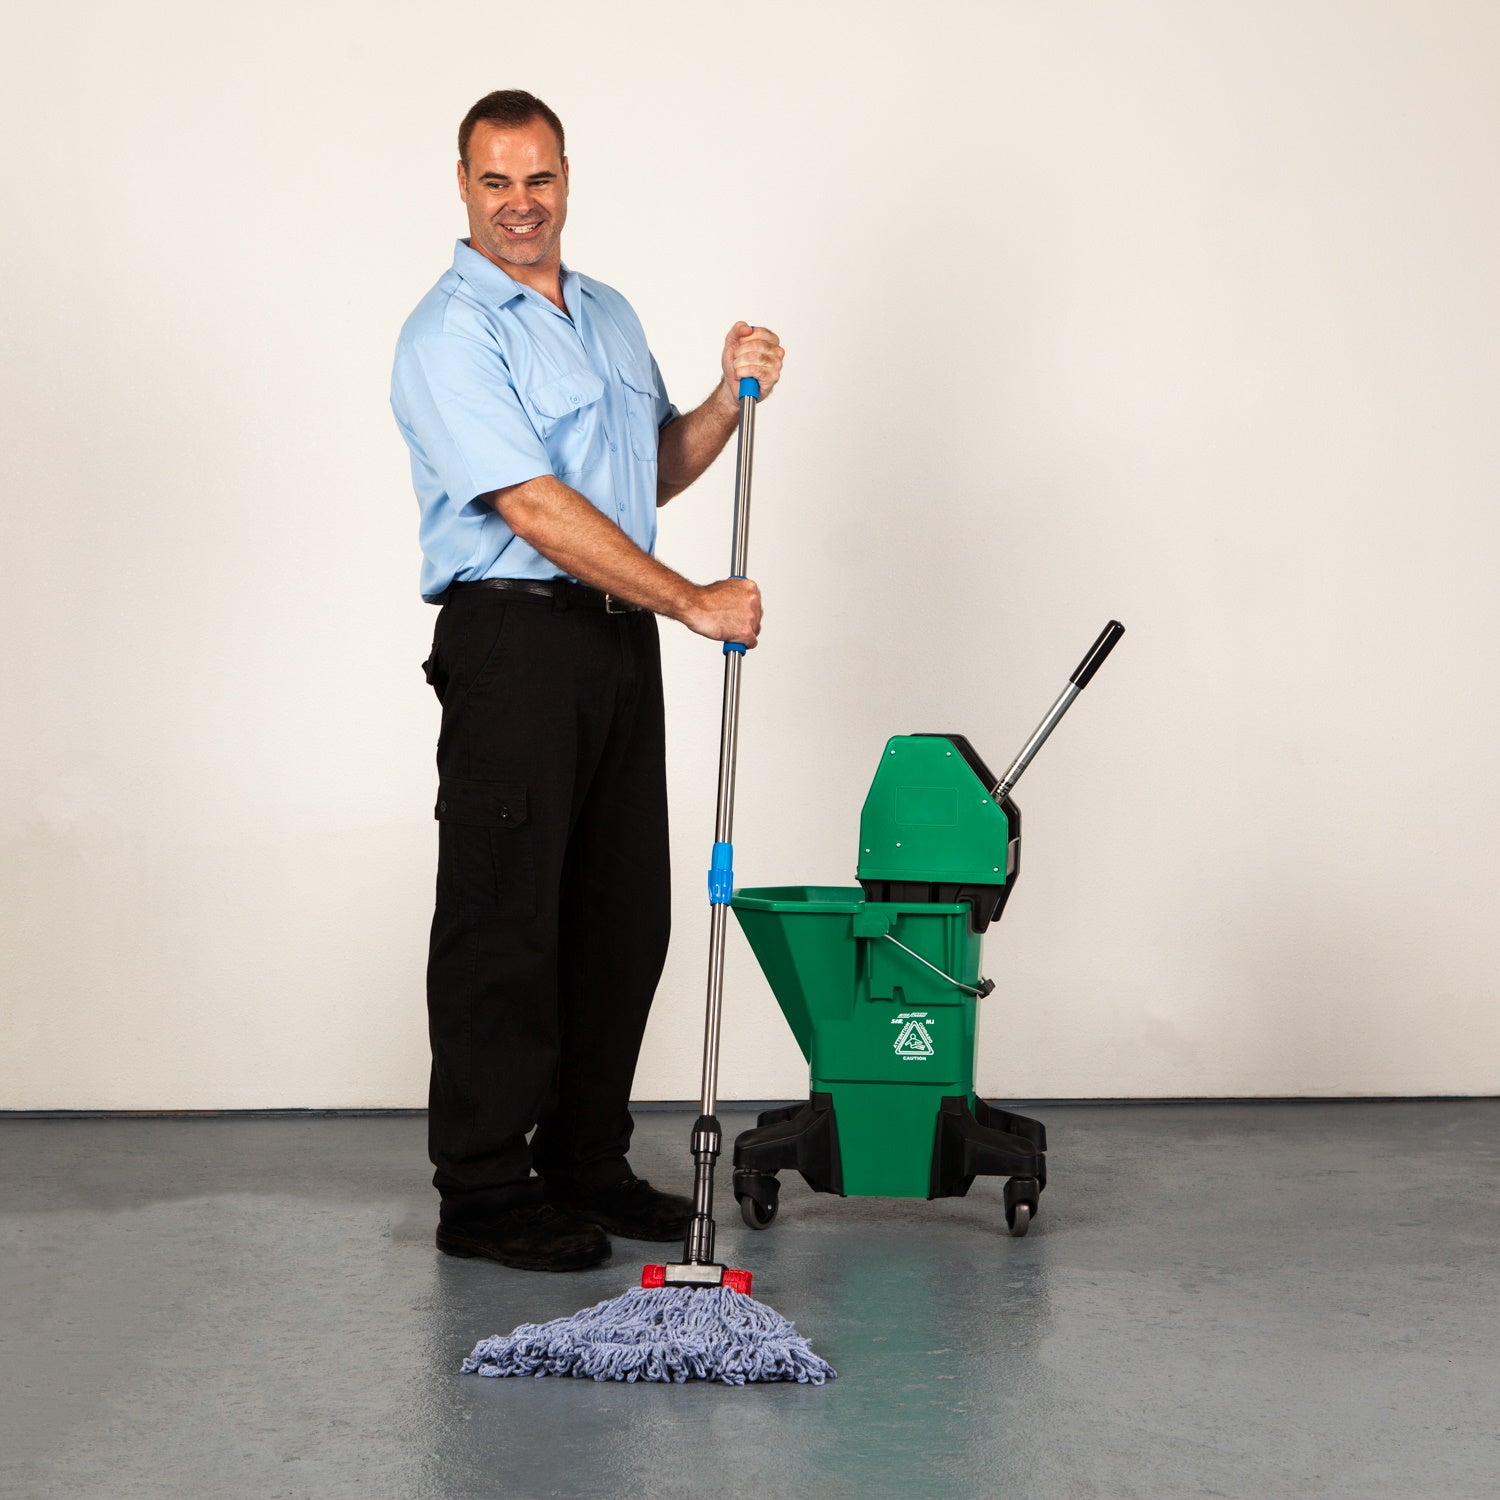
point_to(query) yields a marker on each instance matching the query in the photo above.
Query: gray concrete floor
(1239, 1300)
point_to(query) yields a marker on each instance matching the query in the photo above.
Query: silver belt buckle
(614, 607)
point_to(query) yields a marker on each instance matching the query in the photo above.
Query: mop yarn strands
(673, 1334)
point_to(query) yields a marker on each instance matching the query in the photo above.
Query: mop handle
(721, 871)
(1076, 684)
(740, 546)
(698, 1248)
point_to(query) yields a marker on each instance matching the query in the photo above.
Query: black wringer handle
(1076, 684)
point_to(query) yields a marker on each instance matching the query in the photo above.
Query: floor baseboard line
(738, 1106)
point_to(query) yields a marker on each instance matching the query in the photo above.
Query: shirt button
(574, 400)
(611, 447)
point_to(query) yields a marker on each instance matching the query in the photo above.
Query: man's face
(516, 191)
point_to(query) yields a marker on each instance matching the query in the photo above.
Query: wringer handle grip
(1076, 684)
(1101, 648)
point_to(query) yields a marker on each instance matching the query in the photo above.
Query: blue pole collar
(721, 875)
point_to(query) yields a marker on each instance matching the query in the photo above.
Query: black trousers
(553, 891)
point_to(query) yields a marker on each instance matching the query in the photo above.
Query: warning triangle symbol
(914, 1040)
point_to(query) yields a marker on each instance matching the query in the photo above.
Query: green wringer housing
(881, 986)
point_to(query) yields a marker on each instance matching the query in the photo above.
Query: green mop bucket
(880, 996)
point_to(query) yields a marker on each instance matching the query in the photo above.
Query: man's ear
(463, 181)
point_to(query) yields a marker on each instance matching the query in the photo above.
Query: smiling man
(542, 445)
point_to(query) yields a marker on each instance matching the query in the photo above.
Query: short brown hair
(511, 108)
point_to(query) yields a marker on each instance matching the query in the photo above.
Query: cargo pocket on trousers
(486, 848)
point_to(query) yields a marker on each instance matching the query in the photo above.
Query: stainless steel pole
(707, 1137)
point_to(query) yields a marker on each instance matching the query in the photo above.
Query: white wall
(1183, 311)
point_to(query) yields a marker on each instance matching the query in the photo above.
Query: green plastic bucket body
(887, 1037)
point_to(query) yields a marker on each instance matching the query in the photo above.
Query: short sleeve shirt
(493, 386)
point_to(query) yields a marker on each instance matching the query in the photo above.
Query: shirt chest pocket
(640, 409)
(567, 412)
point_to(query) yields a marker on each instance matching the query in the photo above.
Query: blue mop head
(659, 1333)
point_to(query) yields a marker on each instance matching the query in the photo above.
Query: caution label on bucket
(914, 1040)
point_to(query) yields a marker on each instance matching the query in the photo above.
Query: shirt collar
(494, 285)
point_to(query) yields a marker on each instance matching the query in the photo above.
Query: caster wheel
(1021, 1194)
(757, 1215)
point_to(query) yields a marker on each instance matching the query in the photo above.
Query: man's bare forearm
(569, 532)
(689, 444)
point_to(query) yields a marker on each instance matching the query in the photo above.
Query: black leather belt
(563, 592)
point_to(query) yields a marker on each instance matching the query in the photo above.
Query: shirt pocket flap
(637, 377)
(482, 804)
(568, 393)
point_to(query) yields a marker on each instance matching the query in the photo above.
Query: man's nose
(520, 198)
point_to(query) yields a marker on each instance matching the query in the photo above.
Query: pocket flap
(637, 377)
(568, 393)
(482, 804)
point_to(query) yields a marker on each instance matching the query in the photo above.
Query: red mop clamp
(690, 1275)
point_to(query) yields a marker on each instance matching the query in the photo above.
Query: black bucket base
(986, 1142)
(982, 1141)
(803, 1137)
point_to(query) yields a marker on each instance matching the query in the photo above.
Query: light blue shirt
(493, 385)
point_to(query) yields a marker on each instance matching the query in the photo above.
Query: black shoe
(632, 1208)
(529, 1236)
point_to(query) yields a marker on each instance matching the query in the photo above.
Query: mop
(695, 1320)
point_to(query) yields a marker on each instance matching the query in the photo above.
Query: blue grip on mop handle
(721, 875)
(749, 386)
